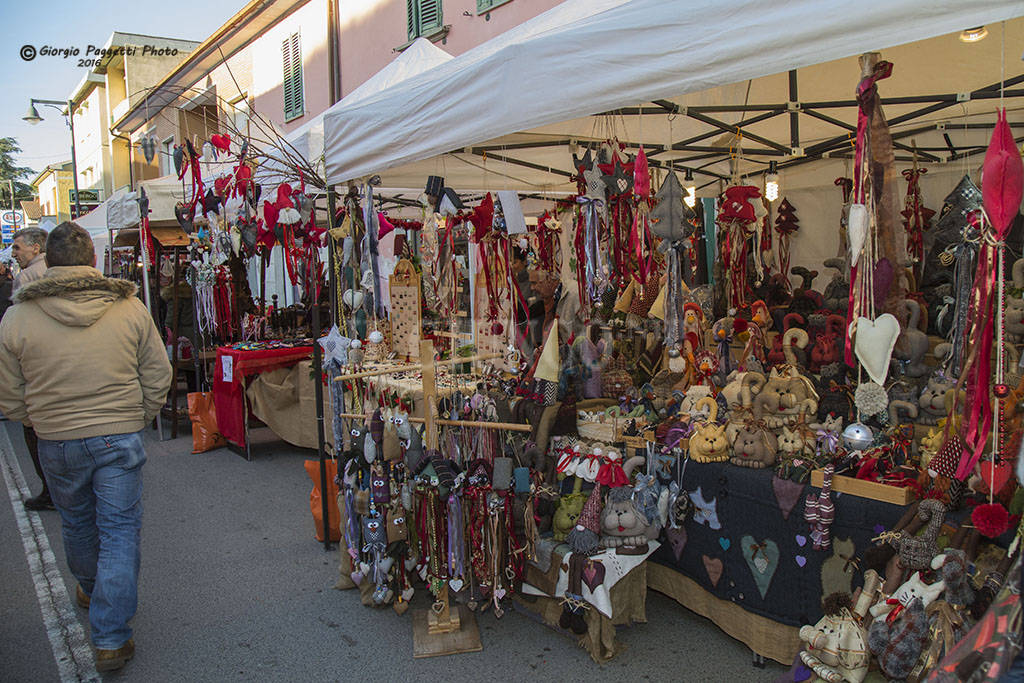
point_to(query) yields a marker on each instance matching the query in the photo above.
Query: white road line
(71, 649)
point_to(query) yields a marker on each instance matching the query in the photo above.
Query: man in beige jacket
(28, 249)
(83, 363)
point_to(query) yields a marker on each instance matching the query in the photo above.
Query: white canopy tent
(584, 57)
(677, 77)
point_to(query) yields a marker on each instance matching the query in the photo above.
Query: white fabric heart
(874, 343)
(456, 584)
(352, 298)
(857, 230)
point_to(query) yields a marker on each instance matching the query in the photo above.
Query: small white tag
(227, 367)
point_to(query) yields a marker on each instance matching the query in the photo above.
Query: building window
(423, 18)
(167, 156)
(239, 117)
(291, 52)
(483, 6)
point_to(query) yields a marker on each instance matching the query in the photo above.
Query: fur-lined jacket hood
(77, 296)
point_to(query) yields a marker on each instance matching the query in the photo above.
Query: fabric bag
(203, 414)
(315, 504)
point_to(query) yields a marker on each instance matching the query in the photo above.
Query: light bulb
(691, 189)
(973, 35)
(771, 182)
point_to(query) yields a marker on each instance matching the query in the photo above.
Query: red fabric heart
(995, 478)
(221, 185)
(221, 142)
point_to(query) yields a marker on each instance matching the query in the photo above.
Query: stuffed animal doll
(708, 443)
(836, 648)
(912, 344)
(897, 642)
(398, 529)
(932, 402)
(569, 508)
(625, 525)
(899, 630)
(753, 446)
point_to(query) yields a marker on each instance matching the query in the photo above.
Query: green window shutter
(430, 18)
(412, 18)
(294, 101)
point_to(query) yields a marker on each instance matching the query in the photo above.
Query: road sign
(10, 222)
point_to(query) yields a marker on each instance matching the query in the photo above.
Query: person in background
(6, 287)
(29, 250)
(82, 361)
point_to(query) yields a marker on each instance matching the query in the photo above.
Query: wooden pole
(174, 343)
(394, 369)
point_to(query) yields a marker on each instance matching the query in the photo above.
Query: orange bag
(316, 507)
(205, 436)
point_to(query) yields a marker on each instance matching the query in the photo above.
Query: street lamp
(67, 109)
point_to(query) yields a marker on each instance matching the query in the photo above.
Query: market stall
(595, 353)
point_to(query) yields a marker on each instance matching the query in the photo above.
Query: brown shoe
(112, 660)
(81, 598)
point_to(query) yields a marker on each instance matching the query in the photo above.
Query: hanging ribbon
(674, 318)
(370, 220)
(1002, 189)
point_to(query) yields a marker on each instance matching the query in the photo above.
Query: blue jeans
(96, 484)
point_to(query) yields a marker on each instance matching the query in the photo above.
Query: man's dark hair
(69, 244)
(518, 254)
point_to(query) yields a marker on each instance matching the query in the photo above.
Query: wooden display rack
(439, 630)
(896, 495)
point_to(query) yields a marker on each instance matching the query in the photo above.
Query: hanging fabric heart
(221, 142)
(874, 343)
(762, 559)
(352, 298)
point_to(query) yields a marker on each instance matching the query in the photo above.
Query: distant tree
(9, 171)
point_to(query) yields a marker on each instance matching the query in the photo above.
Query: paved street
(235, 588)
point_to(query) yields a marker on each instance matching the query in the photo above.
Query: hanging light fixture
(691, 189)
(771, 182)
(973, 35)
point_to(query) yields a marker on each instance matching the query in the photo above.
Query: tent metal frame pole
(794, 111)
(318, 393)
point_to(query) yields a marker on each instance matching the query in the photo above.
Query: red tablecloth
(230, 371)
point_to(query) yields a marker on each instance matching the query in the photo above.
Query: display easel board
(404, 288)
(865, 489)
(427, 644)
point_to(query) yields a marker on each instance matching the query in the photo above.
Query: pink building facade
(290, 60)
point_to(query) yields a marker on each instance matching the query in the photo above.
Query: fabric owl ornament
(391, 447)
(380, 489)
(374, 534)
(398, 529)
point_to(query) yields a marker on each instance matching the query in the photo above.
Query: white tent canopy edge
(614, 55)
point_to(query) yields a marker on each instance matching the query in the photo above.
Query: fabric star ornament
(618, 177)
(335, 346)
(594, 180)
